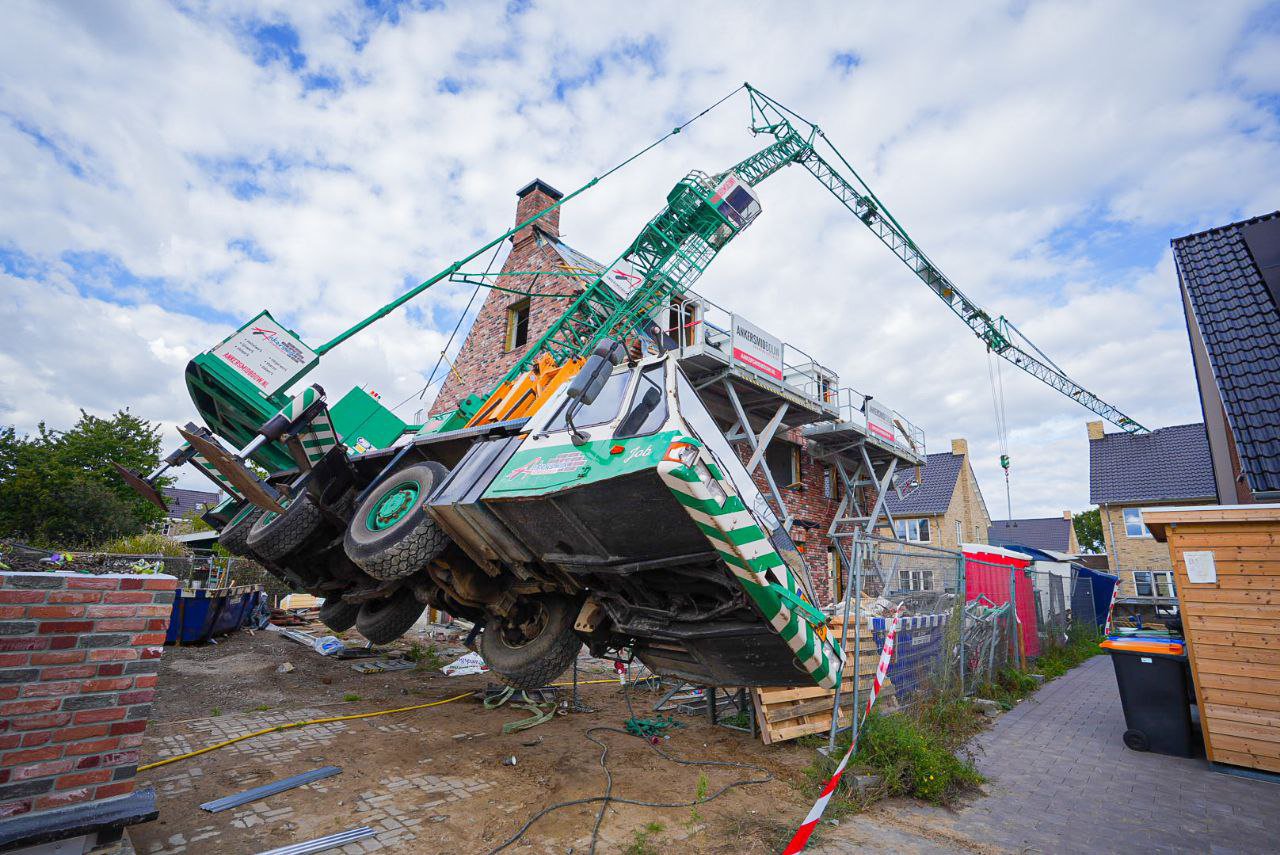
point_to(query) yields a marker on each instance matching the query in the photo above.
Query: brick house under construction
(800, 417)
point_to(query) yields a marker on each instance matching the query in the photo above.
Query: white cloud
(1043, 154)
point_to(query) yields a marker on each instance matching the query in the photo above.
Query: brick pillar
(78, 661)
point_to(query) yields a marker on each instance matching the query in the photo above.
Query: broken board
(789, 713)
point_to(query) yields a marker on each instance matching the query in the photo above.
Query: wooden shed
(1226, 562)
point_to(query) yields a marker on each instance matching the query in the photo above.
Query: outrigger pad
(141, 486)
(234, 471)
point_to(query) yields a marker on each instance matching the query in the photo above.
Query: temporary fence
(964, 614)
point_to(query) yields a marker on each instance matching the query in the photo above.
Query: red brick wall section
(483, 359)
(78, 661)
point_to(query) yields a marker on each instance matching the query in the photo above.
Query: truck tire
(234, 536)
(274, 536)
(383, 621)
(338, 615)
(391, 535)
(535, 662)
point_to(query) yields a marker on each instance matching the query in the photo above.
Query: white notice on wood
(1200, 567)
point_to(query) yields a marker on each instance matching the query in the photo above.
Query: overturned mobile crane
(590, 497)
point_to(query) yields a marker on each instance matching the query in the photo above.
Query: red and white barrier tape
(802, 834)
(1115, 594)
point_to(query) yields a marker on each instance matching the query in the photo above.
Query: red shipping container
(987, 572)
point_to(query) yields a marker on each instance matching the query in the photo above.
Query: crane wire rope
(995, 376)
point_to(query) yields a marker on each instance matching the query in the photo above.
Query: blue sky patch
(274, 42)
(249, 248)
(846, 61)
(17, 263)
(45, 143)
(105, 277)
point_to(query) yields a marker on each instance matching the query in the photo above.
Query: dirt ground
(433, 780)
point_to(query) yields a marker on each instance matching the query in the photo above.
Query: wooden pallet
(785, 713)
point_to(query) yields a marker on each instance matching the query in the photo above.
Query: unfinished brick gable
(484, 358)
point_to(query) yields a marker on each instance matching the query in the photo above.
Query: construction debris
(218, 805)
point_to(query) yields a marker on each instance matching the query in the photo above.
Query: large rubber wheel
(391, 535)
(338, 615)
(234, 536)
(274, 536)
(383, 621)
(535, 648)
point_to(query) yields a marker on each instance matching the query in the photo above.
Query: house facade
(183, 505)
(507, 324)
(1052, 534)
(1169, 466)
(942, 505)
(1230, 283)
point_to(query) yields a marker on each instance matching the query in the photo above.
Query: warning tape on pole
(801, 838)
(1115, 594)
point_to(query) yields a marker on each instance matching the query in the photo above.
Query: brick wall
(483, 358)
(1132, 553)
(967, 506)
(78, 661)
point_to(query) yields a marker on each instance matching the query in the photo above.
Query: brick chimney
(1066, 515)
(537, 196)
(960, 446)
(1095, 430)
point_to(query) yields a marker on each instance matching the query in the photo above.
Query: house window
(915, 580)
(913, 530)
(1153, 583)
(959, 533)
(783, 460)
(1133, 526)
(518, 324)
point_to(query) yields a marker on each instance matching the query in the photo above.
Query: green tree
(58, 488)
(1089, 530)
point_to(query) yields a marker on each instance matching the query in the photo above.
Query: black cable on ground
(608, 793)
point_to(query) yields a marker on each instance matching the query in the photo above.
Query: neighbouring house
(1169, 466)
(183, 505)
(942, 504)
(1230, 282)
(507, 324)
(1052, 534)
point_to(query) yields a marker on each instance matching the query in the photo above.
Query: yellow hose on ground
(291, 725)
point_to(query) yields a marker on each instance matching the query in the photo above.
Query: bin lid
(1149, 644)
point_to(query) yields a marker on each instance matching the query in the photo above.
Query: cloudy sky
(167, 170)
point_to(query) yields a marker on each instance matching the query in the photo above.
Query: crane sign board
(879, 420)
(755, 349)
(266, 354)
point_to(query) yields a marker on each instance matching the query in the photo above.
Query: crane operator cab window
(735, 199)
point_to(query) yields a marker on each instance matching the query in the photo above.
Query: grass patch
(351, 697)
(642, 843)
(215, 712)
(426, 658)
(914, 752)
(1057, 659)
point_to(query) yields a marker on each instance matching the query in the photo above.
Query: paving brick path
(1060, 780)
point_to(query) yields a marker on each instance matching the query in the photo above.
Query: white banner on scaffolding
(879, 420)
(755, 349)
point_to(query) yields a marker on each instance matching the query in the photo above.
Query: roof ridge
(1258, 219)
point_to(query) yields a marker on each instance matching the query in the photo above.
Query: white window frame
(915, 580)
(1154, 581)
(909, 530)
(1128, 524)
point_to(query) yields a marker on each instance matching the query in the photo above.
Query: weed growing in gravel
(351, 697)
(427, 658)
(641, 844)
(215, 712)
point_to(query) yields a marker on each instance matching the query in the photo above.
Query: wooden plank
(1242, 745)
(1227, 727)
(1249, 575)
(1228, 554)
(1252, 685)
(1269, 614)
(1258, 596)
(1209, 539)
(1243, 715)
(1236, 653)
(1191, 517)
(1238, 669)
(1218, 625)
(1248, 761)
(1211, 695)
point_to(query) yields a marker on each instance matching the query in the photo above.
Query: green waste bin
(1155, 687)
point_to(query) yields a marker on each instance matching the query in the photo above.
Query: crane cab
(736, 200)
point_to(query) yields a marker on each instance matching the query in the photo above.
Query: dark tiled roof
(933, 494)
(1167, 464)
(1240, 324)
(183, 502)
(1045, 533)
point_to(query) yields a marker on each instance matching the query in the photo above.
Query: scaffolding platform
(842, 437)
(719, 350)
